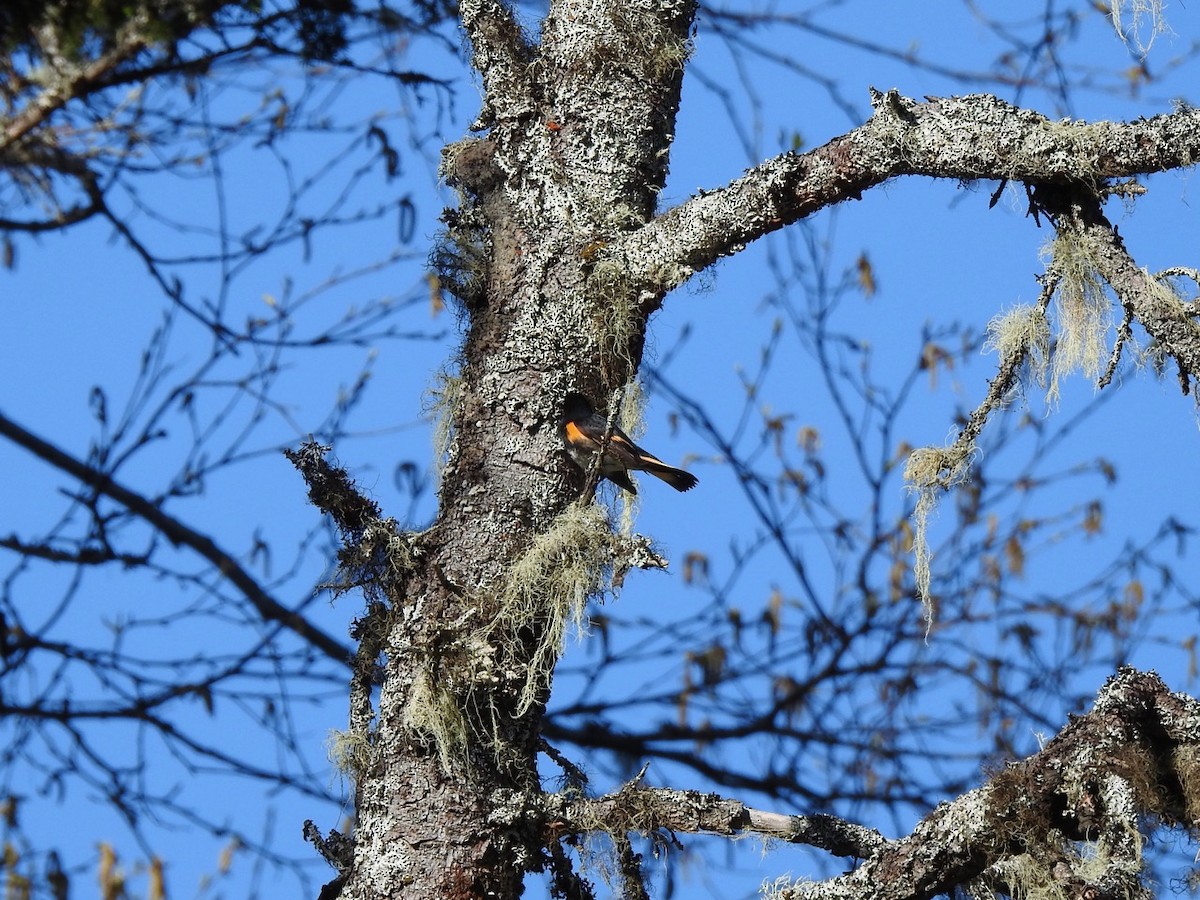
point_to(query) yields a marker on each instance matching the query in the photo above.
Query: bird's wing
(630, 454)
(620, 448)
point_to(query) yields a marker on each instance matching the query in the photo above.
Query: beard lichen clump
(435, 712)
(1024, 331)
(616, 319)
(1082, 308)
(351, 752)
(547, 591)
(929, 472)
(441, 398)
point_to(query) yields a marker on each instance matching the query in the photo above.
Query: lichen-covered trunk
(572, 153)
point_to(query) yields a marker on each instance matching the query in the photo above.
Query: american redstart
(583, 431)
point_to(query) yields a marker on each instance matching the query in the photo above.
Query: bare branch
(175, 531)
(970, 137)
(93, 75)
(500, 54)
(645, 809)
(1137, 732)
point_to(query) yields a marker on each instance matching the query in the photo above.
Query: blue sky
(79, 309)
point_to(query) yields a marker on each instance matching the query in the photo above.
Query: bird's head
(576, 407)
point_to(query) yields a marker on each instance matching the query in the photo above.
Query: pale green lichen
(1082, 310)
(434, 712)
(617, 318)
(547, 591)
(351, 752)
(929, 472)
(1022, 330)
(441, 399)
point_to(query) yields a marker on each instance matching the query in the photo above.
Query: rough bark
(557, 259)
(972, 137)
(578, 129)
(1133, 757)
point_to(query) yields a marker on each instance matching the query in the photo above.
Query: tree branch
(500, 53)
(1161, 312)
(971, 137)
(87, 79)
(179, 534)
(1093, 782)
(644, 809)
(1132, 759)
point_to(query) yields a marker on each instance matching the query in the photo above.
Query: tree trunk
(473, 610)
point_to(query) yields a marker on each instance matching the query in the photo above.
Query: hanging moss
(547, 591)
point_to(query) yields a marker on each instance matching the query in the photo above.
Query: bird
(583, 431)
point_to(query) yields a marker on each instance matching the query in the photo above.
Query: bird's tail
(676, 478)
